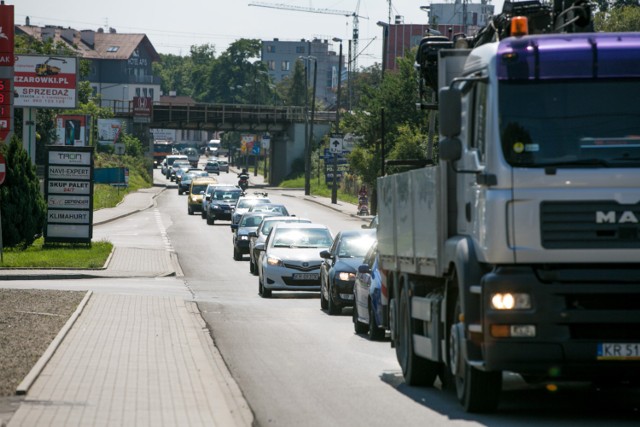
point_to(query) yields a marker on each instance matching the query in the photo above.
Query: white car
(290, 258)
(244, 203)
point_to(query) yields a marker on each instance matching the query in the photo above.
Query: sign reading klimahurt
(69, 194)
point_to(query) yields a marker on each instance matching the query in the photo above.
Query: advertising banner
(45, 81)
(6, 35)
(72, 130)
(109, 130)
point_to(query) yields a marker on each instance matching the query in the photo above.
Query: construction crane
(355, 15)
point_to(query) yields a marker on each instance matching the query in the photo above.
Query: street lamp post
(334, 188)
(385, 41)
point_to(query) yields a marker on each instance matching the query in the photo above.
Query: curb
(33, 374)
(153, 202)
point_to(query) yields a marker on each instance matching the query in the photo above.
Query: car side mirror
(325, 254)
(253, 234)
(364, 269)
(259, 246)
(234, 226)
(208, 197)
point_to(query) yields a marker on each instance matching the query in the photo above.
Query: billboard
(109, 130)
(45, 81)
(6, 35)
(72, 130)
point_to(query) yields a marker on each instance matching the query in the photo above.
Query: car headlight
(216, 206)
(343, 275)
(244, 237)
(275, 262)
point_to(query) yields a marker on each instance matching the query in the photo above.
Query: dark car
(249, 222)
(185, 180)
(339, 268)
(367, 292)
(221, 203)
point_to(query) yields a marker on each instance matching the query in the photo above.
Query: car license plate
(618, 351)
(306, 276)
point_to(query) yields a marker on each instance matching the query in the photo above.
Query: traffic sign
(3, 169)
(335, 143)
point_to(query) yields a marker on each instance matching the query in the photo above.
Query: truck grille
(589, 225)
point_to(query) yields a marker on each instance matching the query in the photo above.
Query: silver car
(290, 260)
(260, 236)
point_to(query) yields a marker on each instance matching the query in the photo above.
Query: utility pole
(307, 171)
(334, 189)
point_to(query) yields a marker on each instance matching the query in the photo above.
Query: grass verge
(59, 255)
(318, 189)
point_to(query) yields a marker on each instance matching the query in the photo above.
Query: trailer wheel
(416, 370)
(477, 391)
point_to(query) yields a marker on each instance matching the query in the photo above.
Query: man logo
(626, 217)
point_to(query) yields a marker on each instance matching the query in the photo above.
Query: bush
(23, 207)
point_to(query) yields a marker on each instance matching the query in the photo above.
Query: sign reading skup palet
(69, 194)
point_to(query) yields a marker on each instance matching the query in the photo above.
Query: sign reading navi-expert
(69, 194)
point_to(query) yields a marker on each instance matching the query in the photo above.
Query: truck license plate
(618, 351)
(306, 276)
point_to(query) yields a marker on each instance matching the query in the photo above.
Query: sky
(174, 26)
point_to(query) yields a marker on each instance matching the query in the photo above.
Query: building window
(271, 48)
(144, 92)
(272, 65)
(151, 93)
(286, 65)
(138, 92)
(113, 48)
(300, 49)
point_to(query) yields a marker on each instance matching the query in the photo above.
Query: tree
(618, 18)
(23, 207)
(296, 94)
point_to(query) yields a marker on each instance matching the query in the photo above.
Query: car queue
(288, 253)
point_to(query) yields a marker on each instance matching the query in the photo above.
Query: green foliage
(58, 255)
(618, 18)
(22, 204)
(107, 196)
(296, 94)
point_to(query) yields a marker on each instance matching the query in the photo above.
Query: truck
(517, 248)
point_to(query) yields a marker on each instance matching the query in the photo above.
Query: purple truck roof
(562, 56)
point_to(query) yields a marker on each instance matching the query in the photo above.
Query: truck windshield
(585, 123)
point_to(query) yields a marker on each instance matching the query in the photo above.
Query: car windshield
(268, 225)
(226, 195)
(355, 246)
(196, 189)
(302, 238)
(557, 123)
(251, 221)
(247, 203)
(270, 208)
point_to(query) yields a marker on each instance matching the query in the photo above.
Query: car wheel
(358, 327)
(375, 333)
(262, 291)
(189, 210)
(252, 267)
(332, 307)
(210, 220)
(180, 192)
(236, 254)
(324, 304)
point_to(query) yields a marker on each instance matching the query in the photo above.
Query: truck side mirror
(450, 149)
(449, 111)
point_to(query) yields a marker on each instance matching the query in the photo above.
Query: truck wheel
(416, 370)
(376, 333)
(358, 327)
(477, 391)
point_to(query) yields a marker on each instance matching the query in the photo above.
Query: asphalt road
(296, 365)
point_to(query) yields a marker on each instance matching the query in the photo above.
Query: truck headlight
(511, 301)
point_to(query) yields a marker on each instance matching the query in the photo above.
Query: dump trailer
(517, 249)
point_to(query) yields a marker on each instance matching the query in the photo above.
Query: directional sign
(335, 143)
(3, 169)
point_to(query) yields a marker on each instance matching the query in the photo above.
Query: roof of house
(91, 44)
